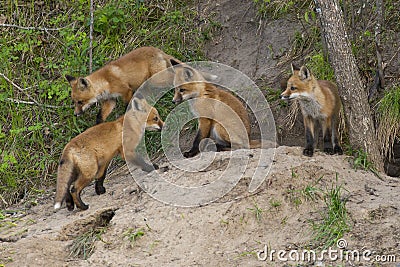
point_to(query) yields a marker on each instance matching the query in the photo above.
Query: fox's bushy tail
(65, 175)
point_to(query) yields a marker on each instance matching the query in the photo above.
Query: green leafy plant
(257, 211)
(334, 219)
(36, 118)
(133, 234)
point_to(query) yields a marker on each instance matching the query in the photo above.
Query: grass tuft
(389, 120)
(133, 234)
(83, 246)
(334, 219)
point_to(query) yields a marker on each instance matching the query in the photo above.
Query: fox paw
(100, 189)
(308, 152)
(328, 150)
(338, 150)
(82, 206)
(189, 154)
(70, 205)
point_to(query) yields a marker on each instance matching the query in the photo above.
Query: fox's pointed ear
(70, 78)
(188, 74)
(83, 83)
(304, 73)
(294, 67)
(136, 104)
(174, 63)
(139, 104)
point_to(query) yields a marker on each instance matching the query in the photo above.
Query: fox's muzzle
(78, 113)
(177, 100)
(284, 97)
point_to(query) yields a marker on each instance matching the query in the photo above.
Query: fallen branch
(30, 28)
(17, 101)
(18, 87)
(33, 102)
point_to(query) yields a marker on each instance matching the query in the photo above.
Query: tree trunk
(378, 32)
(351, 88)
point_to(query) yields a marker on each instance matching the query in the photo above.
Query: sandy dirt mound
(224, 233)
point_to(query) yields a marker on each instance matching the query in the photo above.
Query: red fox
(190, 84)
(119, 78)
(319, 100)
(87, 156)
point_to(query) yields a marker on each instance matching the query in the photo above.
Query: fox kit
(319, 100)
(86, 157)
(119, 78)
(190, 84)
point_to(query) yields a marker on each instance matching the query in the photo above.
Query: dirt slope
(224, 233)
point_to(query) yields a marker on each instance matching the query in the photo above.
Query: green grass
(274, 9)
(257, 211)
(309, 193)
(133, 234)
(83, 246)
(334, 221)
(320, 67)
(275, 203)
(389, 120)
(36, 117)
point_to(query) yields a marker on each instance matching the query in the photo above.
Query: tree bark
(351, 87)
(378, 32)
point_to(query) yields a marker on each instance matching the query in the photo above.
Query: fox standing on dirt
(120, 77)
(211, 102)
(319, 100)
(87, 156)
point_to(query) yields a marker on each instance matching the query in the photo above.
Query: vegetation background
(41, 41)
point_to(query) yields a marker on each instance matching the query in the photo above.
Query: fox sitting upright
(87, 156)
(319, 100)
(119, 78)
(222, 116)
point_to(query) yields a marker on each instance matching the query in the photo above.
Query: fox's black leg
(107, 107)
(99, 118)
(69, 201)
(98, 185)
(336, 147)
(76, 195)
(203, 132)
(309, 129)
(76, 191)
(195, 147)
(223, 147)
(327, 133)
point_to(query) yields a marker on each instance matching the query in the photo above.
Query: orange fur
(225, 119)
(119, 78)
(86, 157)
(319, 100)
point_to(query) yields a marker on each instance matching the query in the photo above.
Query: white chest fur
(311, 107)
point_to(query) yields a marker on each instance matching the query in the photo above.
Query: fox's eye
(292, 88)
(182, 90)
